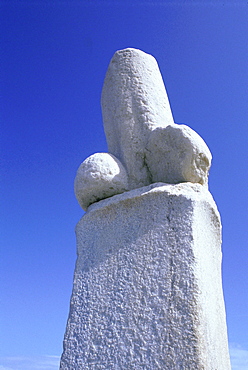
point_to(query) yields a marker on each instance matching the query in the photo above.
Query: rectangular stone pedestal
(147, 286)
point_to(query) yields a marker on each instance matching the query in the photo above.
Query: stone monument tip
(145, 145)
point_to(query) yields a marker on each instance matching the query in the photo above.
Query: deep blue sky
(54, 56)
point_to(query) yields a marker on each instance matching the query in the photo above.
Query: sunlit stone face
(145, 145)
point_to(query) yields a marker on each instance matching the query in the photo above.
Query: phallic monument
(147, 291)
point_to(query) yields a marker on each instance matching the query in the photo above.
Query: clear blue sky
(54, 55)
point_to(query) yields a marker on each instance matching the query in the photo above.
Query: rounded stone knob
(100, 176)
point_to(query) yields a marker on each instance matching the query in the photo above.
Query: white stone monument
(147, 291)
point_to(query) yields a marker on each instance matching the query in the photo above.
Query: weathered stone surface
(147, 289)
(175, 154)
(141, 133)
(134, 102)
(100, 176)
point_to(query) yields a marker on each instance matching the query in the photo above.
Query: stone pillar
(147, 291)
(147, 286)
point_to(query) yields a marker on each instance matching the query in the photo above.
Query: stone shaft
(134, 102)
(147, 285)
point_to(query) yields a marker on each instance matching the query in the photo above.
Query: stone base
(147, 286)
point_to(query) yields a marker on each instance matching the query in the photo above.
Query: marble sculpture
(147, 291)
(145, 145)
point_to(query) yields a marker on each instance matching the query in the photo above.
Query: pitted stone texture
(134, 102)
(147, 286)
(177, 154)
(100, 176)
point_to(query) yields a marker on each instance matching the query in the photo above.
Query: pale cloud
(239, 357)
(30, 363)
(5, 368)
